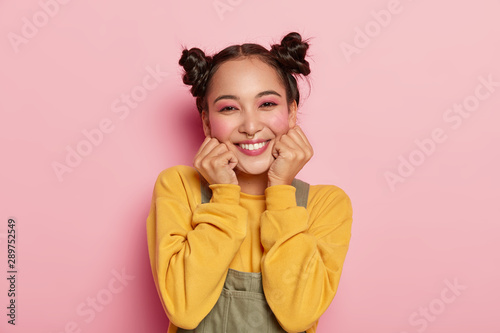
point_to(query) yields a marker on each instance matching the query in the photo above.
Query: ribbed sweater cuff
(280, 197)
(226, 193)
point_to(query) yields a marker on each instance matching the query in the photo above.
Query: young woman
(237, 244)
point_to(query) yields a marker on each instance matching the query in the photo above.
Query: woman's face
(248, 111)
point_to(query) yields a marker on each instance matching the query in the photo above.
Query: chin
(255, 168)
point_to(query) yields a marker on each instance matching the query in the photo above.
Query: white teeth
(252, 146)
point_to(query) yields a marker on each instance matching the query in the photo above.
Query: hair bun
(196, 66)
(291, 53)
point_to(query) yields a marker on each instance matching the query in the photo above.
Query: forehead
(244, 76)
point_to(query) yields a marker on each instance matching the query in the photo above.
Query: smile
(253, 148)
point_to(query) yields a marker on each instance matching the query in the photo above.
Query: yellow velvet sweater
(300, 252)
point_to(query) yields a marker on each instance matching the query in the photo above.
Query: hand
(216, 162)
(291, 152)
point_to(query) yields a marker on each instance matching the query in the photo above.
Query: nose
(250, 123)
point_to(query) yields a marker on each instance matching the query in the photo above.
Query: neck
(252, 184)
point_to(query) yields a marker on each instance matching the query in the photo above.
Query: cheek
(279, 122)
(219, 129)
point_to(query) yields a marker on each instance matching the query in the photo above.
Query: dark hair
(287, 58)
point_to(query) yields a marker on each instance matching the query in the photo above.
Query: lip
(251, 141)
(254, 152)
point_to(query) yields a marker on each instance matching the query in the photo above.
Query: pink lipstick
(253, 147)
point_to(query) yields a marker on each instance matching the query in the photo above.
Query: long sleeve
(304, 251)
(191, 245)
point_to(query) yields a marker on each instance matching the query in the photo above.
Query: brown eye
(227, 108)
(268, 104)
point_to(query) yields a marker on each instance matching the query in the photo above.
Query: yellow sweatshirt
(300, 252)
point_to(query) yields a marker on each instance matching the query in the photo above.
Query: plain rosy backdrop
(397, 110)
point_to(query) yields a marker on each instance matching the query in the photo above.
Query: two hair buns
(290, 53)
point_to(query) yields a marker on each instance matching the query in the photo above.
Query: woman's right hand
(216, 162)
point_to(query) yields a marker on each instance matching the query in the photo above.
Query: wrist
(273, 182)
(280, 197)
(225, 193)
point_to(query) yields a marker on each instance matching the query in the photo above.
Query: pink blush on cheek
(219, 129)
(279, 123)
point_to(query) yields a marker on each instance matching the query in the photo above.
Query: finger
(300, 139)
(308, 147)
(228, 158)
(277, 146)
(292, 141)
(295, 137)
(294, 148)
(211, 144)
(217, 150)
(204, 143)
(303, 135)
(282, 148)
(204, 151)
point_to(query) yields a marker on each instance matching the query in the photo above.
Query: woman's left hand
(291, 152)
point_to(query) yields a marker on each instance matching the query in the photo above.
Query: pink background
(436, 227)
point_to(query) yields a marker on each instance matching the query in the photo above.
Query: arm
(192, 245)
(303, 252)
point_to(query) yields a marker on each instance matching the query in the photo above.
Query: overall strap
(243, 294)
(301, 191)
(206, 192)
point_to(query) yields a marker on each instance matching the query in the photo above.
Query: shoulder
(327, 192)
(178, 171)
(324, 198)
(174, 179)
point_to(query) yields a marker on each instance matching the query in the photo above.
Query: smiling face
(248, 111)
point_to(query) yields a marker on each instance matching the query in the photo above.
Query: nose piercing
(250, 136)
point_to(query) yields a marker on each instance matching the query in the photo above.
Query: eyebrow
(261, 94)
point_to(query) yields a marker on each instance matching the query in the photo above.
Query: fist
(216, 162)
(291, 152)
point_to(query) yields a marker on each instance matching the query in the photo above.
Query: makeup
(253, 147)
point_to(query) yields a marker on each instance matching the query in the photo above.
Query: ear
(292, 114)
(206, 123)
